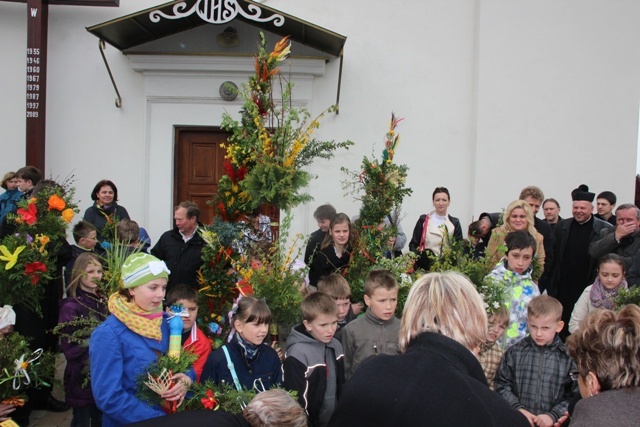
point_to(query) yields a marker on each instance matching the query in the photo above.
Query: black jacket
(437, 382)
(183, 259)
(561, 236)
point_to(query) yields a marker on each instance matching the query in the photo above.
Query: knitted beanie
(141, 268)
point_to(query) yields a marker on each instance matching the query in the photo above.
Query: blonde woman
(517, 217)
(437, 379)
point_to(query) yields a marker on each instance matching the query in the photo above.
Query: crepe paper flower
(281, 50)
(21, 376)
(56, 203)
(11, 258)
(29, 215)
(215, 328)
(43, 240)
(67, 215)
(209, 402)
(14, 401)
(32, 270)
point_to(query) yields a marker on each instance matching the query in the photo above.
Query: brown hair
(191, 208)
(7, 177)
(339, 218)
(181, 292)
(379, 279)
(544, 305)
(608, 344)
(79, 266)
(532, 191)
(316, 304)
(324, 212)
(335, 285)
(82, 230)
(104, 183)
(252, 309)
(127, 231)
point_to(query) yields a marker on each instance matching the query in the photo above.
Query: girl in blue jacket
(133, 336)
(254, 362)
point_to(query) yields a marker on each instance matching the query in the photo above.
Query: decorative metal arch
(217, 12)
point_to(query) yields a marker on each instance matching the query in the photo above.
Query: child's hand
(357, 308)
(179, 390)
(6, 410)
(276, 347)
(530, 417)
(544, 420)
(561, 420)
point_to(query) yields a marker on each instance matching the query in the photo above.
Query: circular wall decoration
(228, 91)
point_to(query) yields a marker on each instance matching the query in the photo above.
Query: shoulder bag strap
(232, 368)
(423, 238)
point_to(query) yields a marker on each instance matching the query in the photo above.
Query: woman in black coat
(436, 380)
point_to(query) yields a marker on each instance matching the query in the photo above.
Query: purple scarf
(602, 297)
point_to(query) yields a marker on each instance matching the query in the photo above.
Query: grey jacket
(610, 408)
(368, 336)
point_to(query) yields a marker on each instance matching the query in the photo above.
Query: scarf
(602, 297)
(145, 323)
(250, 350)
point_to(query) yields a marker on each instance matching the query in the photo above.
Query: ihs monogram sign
(217, 12)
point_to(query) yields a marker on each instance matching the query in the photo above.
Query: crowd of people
(552, 352)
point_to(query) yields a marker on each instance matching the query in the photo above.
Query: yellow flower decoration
(43, 240)
(11, 258)
(67, 215)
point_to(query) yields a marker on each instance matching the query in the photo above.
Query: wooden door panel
(198, 167)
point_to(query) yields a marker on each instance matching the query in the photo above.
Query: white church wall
(555, 83)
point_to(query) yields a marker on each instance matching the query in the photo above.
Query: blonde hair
(520, 204)
(608, 344)
(500, 315)
(446, 303)
(79, 266)
(274, 408)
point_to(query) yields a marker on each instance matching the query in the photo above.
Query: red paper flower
(29, 215)
(32, 270)
(209, 402)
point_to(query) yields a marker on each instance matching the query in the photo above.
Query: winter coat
(368, 336)
(183, 259)
(608, 408)
(325, 262)
(305, 370)
(437, 382)
(96, 217)
(83, 305)
(266, 367)
(434, 238)
(497, 238)
(313, 245)
(562, 235)
(520, 290)
(627, 247)
(118, 356)
(9, 202)
(536, 378)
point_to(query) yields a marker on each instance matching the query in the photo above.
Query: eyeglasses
(574, 375)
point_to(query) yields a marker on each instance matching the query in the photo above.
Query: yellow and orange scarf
(145, 323)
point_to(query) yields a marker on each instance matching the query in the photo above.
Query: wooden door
(198, 163)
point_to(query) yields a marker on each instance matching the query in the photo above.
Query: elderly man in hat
(574, 269)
